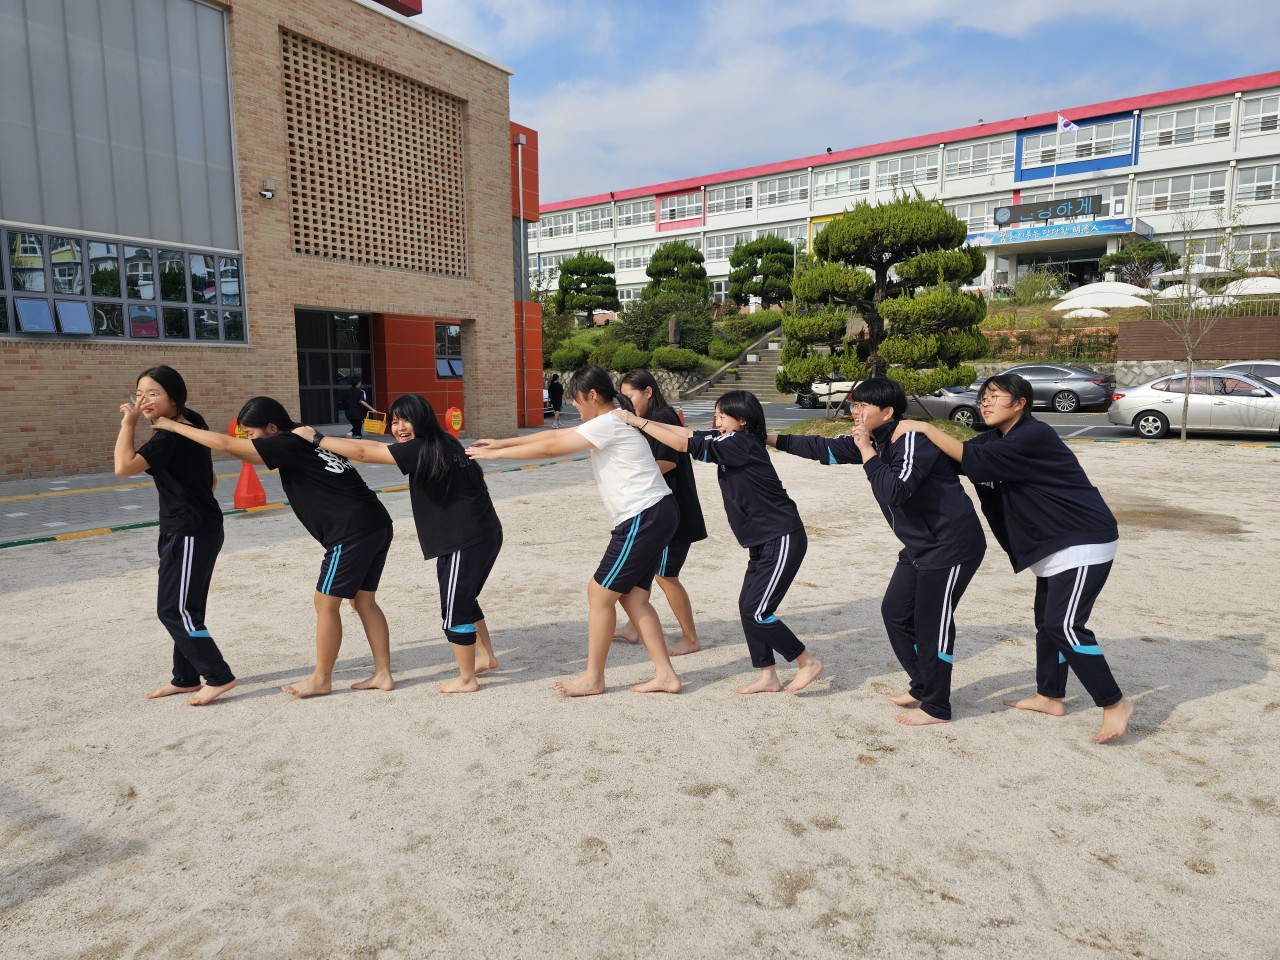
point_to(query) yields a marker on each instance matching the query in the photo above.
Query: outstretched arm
(366, 451)
(244, 449)
(127, 461)
(674, 436)
(948, 444)
(533, 446)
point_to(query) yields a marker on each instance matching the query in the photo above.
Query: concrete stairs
(755, 376)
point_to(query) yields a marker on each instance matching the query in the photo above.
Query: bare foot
(310, 687)
(903, 700)
(168, 690)
(209, 694)
(458, 685)
(1115, 720)
(631, 636)
(684, 645)
(658, 685)
(917, 718)
(805, 676)
(763, 685)
(379, 681)
(580, 686)
(1039, 704)
(486, 663)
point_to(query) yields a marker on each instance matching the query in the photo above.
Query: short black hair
(1012, 384)
(745, 406)
(881, 392)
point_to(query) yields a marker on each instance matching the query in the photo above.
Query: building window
(719, 290)
(979, 214)
(973, 159)
(635, 257)
(629, 295)
(99, 307)
(686, 206)
(448, 351)
(599, 218)
(546, 266)
(902, 171)
(789, 232)
(1257, 183)
(1260, 115)
(1206, 250)
(1257, 251)
(842, 181)
(720, 246)
(729, 199)
(1182, 193)
(635, 214)
(559, 225)
(1191, 125)
(1083, 143)
(783, 190)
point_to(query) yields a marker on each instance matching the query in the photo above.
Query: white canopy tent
(1253, 286)
(1101, 301)
(1178, 290)
(1196, 268)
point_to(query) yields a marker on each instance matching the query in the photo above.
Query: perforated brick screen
(375, 163)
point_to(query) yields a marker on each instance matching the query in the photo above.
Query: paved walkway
(50, 508)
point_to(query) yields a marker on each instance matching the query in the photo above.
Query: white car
(1220, 401)
(824, 393)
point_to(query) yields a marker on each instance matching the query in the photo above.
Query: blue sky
(625, 94)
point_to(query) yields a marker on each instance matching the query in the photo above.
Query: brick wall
(61, 397)
(1240, 338)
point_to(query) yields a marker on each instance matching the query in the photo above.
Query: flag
(1065, 124)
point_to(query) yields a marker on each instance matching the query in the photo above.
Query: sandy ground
(514, 823)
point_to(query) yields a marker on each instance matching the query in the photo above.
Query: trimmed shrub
(571, 356)
(629, 357)
(676, 358)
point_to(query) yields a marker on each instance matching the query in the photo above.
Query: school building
(1057, 189)
(271, 196)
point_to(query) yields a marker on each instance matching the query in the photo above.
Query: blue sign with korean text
(1061, 231)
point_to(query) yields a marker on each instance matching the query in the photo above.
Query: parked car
(950, 403)
(1063, 388)
(1220, 400)
(828, 392)
(1259, 368)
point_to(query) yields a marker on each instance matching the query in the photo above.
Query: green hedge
(676, 358)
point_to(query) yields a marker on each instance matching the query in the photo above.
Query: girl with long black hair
(645, 396)
(457, 525)
(332, 501)
(190, 530)
(644, 517)
(763, 518)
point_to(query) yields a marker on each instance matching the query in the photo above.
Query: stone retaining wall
(673, 383)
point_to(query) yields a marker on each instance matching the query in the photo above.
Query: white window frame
(1187, 191)
(972, 159)
(556, 225)
(682, 206)
(1257, 250)
(978, 214)
(1113, 138)
(720, 245)
(595, 219)
(1259, 183)
(1176, 128)
(634, 256)
(779, 190)
(727, 199)
(904, 171)
(841, 181)
(1111, 192)
(634, 213)
(1260, 115)
(791, 232)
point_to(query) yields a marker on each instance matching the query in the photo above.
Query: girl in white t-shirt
(643, 513)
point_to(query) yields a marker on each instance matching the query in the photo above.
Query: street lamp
(796, 244)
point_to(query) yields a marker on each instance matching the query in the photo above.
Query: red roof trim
(1075, 114)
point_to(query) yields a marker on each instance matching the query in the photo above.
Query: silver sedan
(950, 403)
(1219, 400)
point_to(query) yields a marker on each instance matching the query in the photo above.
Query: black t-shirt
(555, 393)
(683, 486)
(354, 397)
(326, 492)
(183, 474)
(464, 517)
(755, 501)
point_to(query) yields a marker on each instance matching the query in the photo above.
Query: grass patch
(841, 425)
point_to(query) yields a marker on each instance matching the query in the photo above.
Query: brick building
(272, 196)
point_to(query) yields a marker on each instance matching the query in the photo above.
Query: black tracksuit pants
(918, 610)
(186, 567)
(462, 575)
(771, 568)
(1063, 604)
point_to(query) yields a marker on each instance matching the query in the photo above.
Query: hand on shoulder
(305, 432)
(909, 426)
(163, 423)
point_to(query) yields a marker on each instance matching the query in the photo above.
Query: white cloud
(507, 28)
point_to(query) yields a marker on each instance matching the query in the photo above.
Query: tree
(905, 243)
(831, 285)
(762, 268)
(1191, 317)
(1136, 262)
(647, 320)
(586, 285)
(677, 267)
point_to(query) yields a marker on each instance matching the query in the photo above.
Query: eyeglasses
(149, 395)
(990, 399)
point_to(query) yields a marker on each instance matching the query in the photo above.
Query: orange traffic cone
(680, 414)
(249, 492)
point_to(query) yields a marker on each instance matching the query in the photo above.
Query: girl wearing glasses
(1050, 519)
(190, 530)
